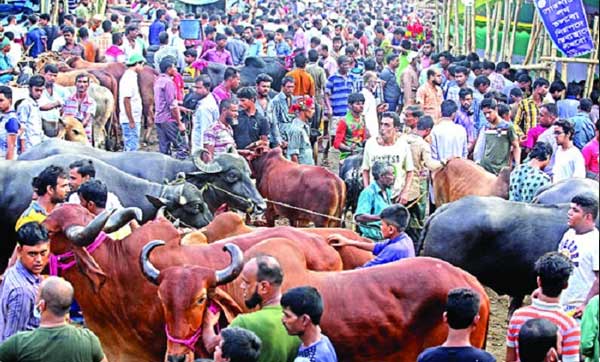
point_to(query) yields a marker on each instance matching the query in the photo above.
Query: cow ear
(157, 202)
(228, 306)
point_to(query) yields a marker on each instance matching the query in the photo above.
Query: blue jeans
(131, 136)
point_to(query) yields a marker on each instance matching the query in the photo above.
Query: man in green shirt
(261, 283)
(54, 340)
(83, 10)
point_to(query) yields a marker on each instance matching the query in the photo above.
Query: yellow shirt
(34, 213)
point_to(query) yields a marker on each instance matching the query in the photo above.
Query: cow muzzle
(180, 357)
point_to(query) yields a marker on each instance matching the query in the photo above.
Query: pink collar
(191, 341)
(56, 264)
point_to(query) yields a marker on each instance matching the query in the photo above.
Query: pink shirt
(533, 135)
(220, 93)
(590, 155)
(214, 55)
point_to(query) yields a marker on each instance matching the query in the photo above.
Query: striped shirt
(526, 117)
(567, 326)
(18, 292)
(219, 136)
(81, 109)
(338, 88)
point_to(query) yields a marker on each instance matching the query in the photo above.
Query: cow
(182, 201)
(248, 72)
(120, 306)
(352, 175)
(385, 313)
(460, 178)
(228, 172)
(496, 240)
(565, 190)
(305, 187)
(229, 224)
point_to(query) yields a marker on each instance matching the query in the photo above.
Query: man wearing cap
(6, 68)
(130, 103)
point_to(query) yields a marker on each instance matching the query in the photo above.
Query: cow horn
(149, 270)
(84, 235)
(161, 212)
(211, 167)
(234, 269)
(121, 217)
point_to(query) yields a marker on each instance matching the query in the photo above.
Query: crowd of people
(365, 81)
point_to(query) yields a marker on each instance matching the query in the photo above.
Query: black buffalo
(182, 201)
(496, 240)
(252, 67)
(565, 190)
(228, 172)
(352, 175)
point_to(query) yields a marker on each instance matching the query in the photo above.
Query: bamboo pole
(511, 46)
(446, 18)
(589, 81)
(473, 28)
(570, 60)
(488, 29)
(457, 41)
(564, 72)
(532, 39)
(540, 66)
(505, 29)
(497, 16)
(552, 64)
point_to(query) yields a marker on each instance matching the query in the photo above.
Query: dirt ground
(496, 342)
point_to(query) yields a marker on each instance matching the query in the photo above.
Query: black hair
(415, 110)
(551, 108)
(541, 82)
(32, 234)
(130, 28)
(82, 75)
(230, 72)
(473, 57)
(536, 337)
(304, 300)
(462, 70)
(431, 72)
(37, 81)
(94, 190)
(165, 64)
(355, 98)
(50, 68)
(313, 55)
(391, 57)
(10, 35)
(516, 92)
(300, 60)
(163, 37)
(425, 122)
(481, 80)
(84, 168)
(106, 26)
(116, 37)
(475, 64)
(220, 37)
(48, 177)
(45, 17)
(462, 307)
(191, 52)
(342, 59)
(501, 66)
(226, 104)
(6, 91)
(287, 79)
(489, 103)
(394, 116)
(541, 151)
(268, 270)
(587, 202)
(263, 77)
(240, 345)
(503, 109)
(566, 126)
(558, 86)
(449, 108)
(487, 65)
(464, 92)
(247, 93)
(83, 33)
(524, 78)
(585, 105)
(205, 80)
(554, 270)
(396, 215)
(159, 13)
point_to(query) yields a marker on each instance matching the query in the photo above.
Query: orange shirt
(304, 84)
(89, 51)
(431, 98)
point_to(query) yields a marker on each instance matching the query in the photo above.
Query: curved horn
(234, 269)
(84, 235)
(149, 270)
(212, 167)
(161, 212)
(121, 217)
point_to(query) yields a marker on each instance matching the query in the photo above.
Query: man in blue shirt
(157, 27)
(374, 199)
(36, 38)
(398, 245)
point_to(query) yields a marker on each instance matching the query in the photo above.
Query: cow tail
(341, 201)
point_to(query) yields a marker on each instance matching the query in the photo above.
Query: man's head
(434, 76)
(449, 109)
(231, 78)
(248, 34)
(80, 172)
(93, 195)
(482, 84)
(540, 87)
(247, 97)
(228, 110)
(302, 309)
(489, 107)
(33, 247)
(583, 212)
(107, 26)
(553, 271)
(82, 82)
(167, 66)
(5, 98)
(465, 96)
(50, 73)
(503, 68)
(563, 132)
(461, 74)
(261, 280)
(542, 152)
(202, 85)
(425, 125)
(221, 40)
(585, 105)
(54, 297)
(356, 103)
(516, 95)
(547, 115)
(557, 88)
(53, 183)
(190, 55)
(488, 68)
(36, 86)
(117, 39)
(394, 220)
(387, 125)
(344, 64)
(462, 308)
(412, 114)
(539, 341)
(237, 345)
(383, 174)
(379, 55)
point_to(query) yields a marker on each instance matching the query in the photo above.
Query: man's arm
(407, 182)
(127, 104)
(337, 240)
(592, 292)
(11, 141)
(511, 354)
(18, 312)
(516, 151)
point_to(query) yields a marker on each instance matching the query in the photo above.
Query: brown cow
(120, 305)
(386, 313)
(301, 186)
(230, 224)
(460, 178)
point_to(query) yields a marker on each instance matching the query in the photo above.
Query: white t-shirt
(370, 113)
(568, 163)
(112, 201)
(583, 251)
(128, 87)
(398, 155)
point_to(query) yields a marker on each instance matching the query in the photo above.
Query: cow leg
(515, 303)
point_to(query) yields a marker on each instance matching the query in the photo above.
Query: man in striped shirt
(553, 271)
(21, 282)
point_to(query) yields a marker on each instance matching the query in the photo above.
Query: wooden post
(446, 18)
(563, 73)
(589, 82)
(532, 39)
(488, 29)
(497, 16)
(505, 29)
(473, 28)
(552, 65)
(457, 41)
(511, 46)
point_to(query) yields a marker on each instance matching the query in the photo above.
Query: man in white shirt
(207, 111)
(53, 97)
(130, 103)
(580, 243)
(82, 171)
(568, 160)
(448, 139)
(373, 105)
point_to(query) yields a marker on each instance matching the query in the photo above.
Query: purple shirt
(164, 99)
(533, 135)
(216, 56)
(468, 122)
(220, 93)
(391, 250)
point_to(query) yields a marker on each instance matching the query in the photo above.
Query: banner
(567, 25)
